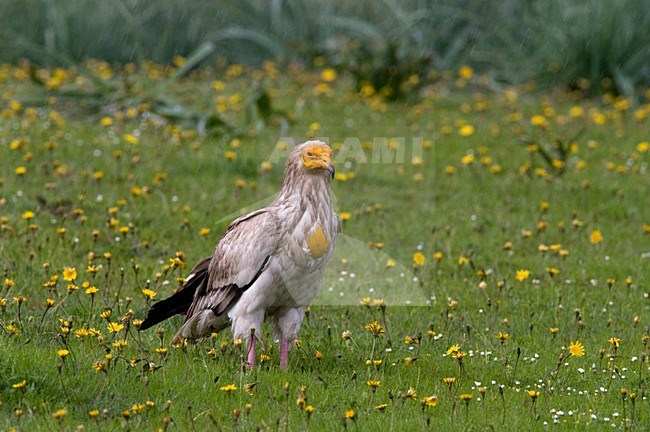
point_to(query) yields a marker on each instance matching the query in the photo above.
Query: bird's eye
(310, 154)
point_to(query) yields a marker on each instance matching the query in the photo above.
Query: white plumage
(268, 265)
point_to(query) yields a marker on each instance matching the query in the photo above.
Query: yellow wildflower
(614, 341)
(577, 349)
(595, 237)
(539, 121)
(375, 328)
(114, 327)
(466, 72)
(328, 75)
(59, 414)
(522, 275)
(228, 388)
(466, 130)
(429, 401)
(418, 259)
(19, 385)
(69, 274)
(149, 293)
(453, 349)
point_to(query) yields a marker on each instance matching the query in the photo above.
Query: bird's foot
(284, 353)
(251, 353)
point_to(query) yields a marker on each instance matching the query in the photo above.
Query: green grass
(443, 202)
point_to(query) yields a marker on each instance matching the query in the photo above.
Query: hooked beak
(331, 170)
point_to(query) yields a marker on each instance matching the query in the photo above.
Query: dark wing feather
(182, 299)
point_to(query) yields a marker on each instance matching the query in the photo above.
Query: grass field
(492, 271)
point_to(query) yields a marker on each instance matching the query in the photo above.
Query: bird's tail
(181, 300)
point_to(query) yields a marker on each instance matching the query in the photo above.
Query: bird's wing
(241, 256)
(180, 302)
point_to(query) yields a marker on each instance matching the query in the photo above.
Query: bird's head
(316, 156)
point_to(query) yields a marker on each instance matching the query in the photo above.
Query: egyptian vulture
(268, 265)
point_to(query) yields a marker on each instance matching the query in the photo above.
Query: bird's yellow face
(318, 157)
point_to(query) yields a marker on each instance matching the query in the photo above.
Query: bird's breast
(310, 237)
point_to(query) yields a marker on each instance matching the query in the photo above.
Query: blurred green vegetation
(590, 45)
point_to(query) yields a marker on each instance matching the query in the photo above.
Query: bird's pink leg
(251, 352)
(284, 353)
